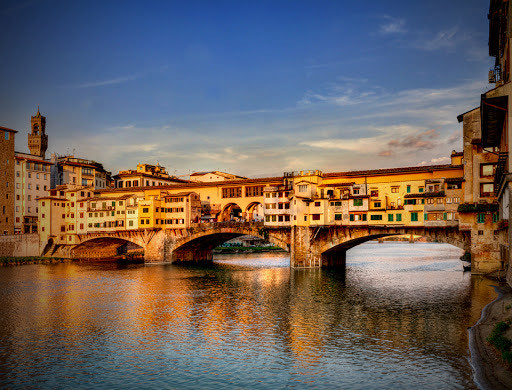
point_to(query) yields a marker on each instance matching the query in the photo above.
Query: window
(408, 189)
(145, 210)
(17, 172)
(303, 188)
(315, 217)
(420, 189)
(390, 217)
(486, 189)
(487, 170)
(356, 191)
(414, 217)
(337, 217)
(376, 217)
(399, 217)
(495, 217)
(376, 204)
(358, 202)
(394, 189)
(480, 218)
(374, 193)
(232, 192)
(130, 223)
(409, 201)
(251, 191)
(317, 204)
(6, 135)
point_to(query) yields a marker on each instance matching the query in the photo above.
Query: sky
(255, 88)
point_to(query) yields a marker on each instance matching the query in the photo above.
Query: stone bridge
(309, 247)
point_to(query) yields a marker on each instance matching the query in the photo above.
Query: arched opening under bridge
(337, 255)
(200, 247)
(104, 248)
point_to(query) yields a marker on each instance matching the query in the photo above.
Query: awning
(493, 113)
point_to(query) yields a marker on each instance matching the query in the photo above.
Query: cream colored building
(32, 180)
(145, 175)
(213, 176)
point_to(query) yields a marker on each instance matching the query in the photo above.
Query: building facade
(32, 181)
(79, 172)
(145, 175)
(7, 181)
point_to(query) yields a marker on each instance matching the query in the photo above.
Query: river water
(396, 318)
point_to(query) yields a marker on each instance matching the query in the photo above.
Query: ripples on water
(396, 318)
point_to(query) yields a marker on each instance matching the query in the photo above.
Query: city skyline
(245, 88)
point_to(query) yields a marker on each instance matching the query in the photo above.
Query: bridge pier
(334, 259)
(302, 253)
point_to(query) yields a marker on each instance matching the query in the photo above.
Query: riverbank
(6, 261)
(491, 372)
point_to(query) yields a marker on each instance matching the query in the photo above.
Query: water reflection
(245, 321)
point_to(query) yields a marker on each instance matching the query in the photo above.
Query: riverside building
(7, 180)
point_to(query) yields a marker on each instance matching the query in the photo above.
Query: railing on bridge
(227, 224)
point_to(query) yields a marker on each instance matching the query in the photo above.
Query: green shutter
(408, 189)
(425, 217)
(364, 217)
(390, 217)
(445, 216)
(399, 217)
(351, 217)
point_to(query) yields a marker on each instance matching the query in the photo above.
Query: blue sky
(253, 88)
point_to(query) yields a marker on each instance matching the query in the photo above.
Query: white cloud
(436, 161)
(393, 25)
(101, 83)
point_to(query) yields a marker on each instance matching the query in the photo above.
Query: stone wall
(19, 245)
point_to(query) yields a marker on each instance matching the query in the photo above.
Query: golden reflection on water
(249, 321)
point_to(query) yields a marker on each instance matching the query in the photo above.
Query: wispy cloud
(445, 39)
(392, 25)
(436, 161)
(101, 83)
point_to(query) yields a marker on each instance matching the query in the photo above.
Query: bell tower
(37, 139)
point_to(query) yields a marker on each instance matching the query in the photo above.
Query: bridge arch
(199, 245)
(333, 253)
(254, 212)
(230, 212)
(104, 247)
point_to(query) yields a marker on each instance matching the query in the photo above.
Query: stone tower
(37, 139)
